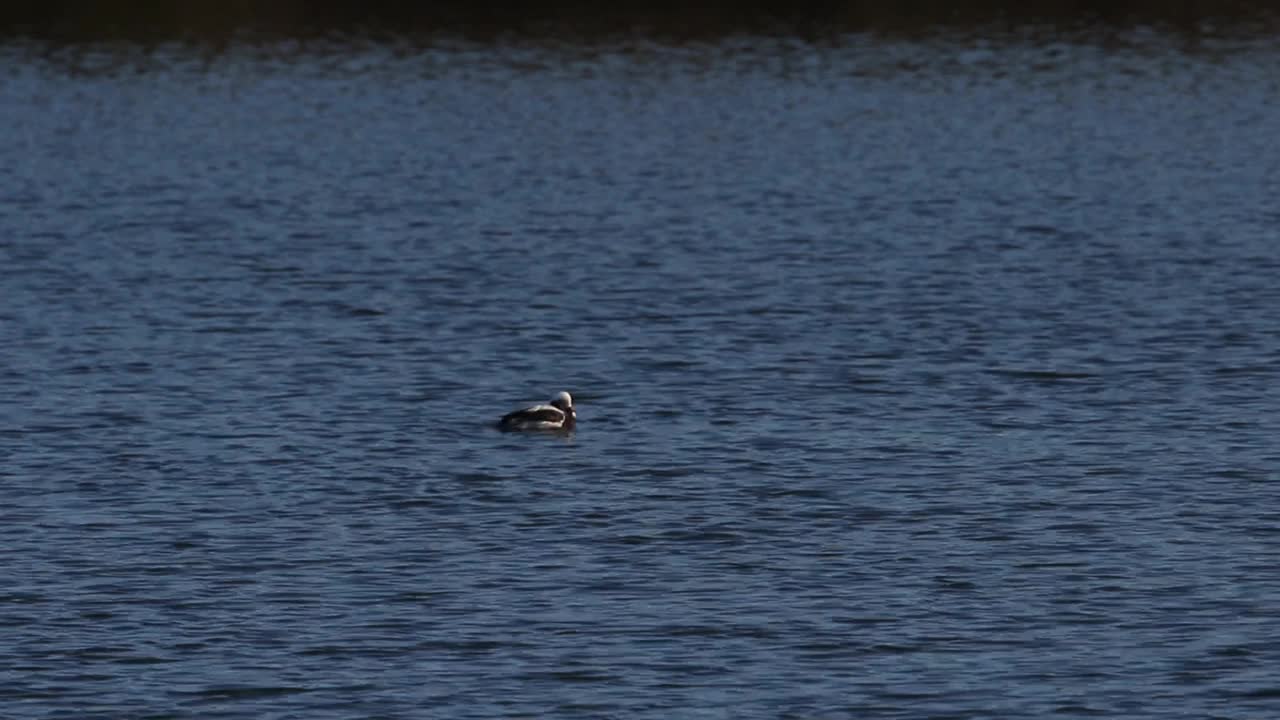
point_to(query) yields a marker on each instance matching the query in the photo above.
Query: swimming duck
(556, 415)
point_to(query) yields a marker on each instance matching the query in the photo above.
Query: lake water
(932, 377)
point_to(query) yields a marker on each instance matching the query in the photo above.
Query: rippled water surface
(915, 379)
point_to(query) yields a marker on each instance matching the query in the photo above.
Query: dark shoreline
(214, 21)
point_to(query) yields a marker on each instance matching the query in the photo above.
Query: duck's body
(556, 415)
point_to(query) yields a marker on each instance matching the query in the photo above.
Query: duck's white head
(563, 401)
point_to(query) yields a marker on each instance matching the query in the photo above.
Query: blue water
(933, 378)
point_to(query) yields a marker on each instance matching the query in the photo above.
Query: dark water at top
(916, 379)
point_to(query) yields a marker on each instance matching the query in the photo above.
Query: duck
(558, 414)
